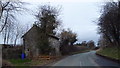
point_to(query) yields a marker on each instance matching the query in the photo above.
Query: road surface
(85, 59)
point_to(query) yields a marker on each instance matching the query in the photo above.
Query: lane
(85, 59)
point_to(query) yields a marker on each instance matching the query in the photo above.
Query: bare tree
(8, 10)
(91, 44)
(8, 22)
(84, 43)
(18, 32)
(67, 38)
(8, 32)
(109, 23)
(102, 42)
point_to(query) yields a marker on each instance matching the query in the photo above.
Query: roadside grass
(20, 62)
(111, 52)
(27, 62)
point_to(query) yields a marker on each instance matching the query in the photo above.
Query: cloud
(75, 1)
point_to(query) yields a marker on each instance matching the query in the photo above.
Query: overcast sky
(78, 15)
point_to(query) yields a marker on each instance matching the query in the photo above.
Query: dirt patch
(55, 60)
(6, 63)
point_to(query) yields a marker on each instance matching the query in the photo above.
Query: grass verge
(27, 62)
(110, 52)
(20, 62)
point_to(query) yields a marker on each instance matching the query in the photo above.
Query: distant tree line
(90, 44)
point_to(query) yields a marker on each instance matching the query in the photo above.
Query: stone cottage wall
(30, 40)
(54, 43)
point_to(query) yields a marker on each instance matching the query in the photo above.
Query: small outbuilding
(30, 40)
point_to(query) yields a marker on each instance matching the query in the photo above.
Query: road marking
(80, 64)
(93, 61)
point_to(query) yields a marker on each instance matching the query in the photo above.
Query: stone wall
(12, 52)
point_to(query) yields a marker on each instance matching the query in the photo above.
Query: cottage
(30, 44)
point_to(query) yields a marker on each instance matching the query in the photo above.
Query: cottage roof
(53, 36)
(36, 27)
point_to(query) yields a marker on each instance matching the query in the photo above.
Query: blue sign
(23, 56)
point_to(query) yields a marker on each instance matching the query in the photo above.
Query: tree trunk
(8, 34)
(5, 36)
(15, 41)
